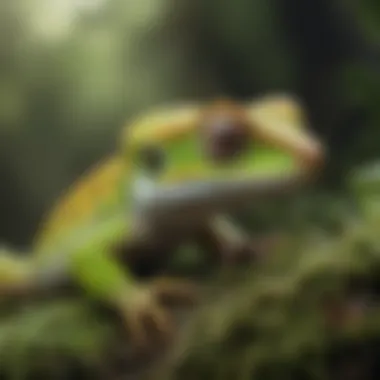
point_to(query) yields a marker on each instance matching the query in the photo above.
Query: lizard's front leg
(141, 305)
(223, 239)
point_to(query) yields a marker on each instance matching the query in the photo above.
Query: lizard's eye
(152, 159)
(225, 137)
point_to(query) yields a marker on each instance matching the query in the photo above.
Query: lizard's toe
(161, 322)
(147, 320)
(173, 292)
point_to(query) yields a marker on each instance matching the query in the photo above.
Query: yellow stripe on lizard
(81, 201)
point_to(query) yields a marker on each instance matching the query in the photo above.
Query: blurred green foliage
(71, 76)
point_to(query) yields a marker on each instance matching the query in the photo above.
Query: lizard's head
(201, 160)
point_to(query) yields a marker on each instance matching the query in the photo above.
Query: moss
(309, 312)
(290, 320)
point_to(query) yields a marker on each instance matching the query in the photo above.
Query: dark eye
(226, 138)
(152, 158)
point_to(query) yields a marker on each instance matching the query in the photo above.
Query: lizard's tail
(16, 273)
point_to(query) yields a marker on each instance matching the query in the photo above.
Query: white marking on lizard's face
(143, 189)
(144, 194)
(198, 199)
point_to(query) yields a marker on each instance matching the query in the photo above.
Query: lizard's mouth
(205, 197)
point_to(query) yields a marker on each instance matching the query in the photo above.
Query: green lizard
(178, 172)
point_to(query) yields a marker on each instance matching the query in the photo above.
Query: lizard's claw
(174, 292)
(145, 311)
(144, 316)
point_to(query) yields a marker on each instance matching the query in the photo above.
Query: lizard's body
(176, 175)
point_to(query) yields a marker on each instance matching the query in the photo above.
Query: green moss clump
(310, 311)
(291, 318)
